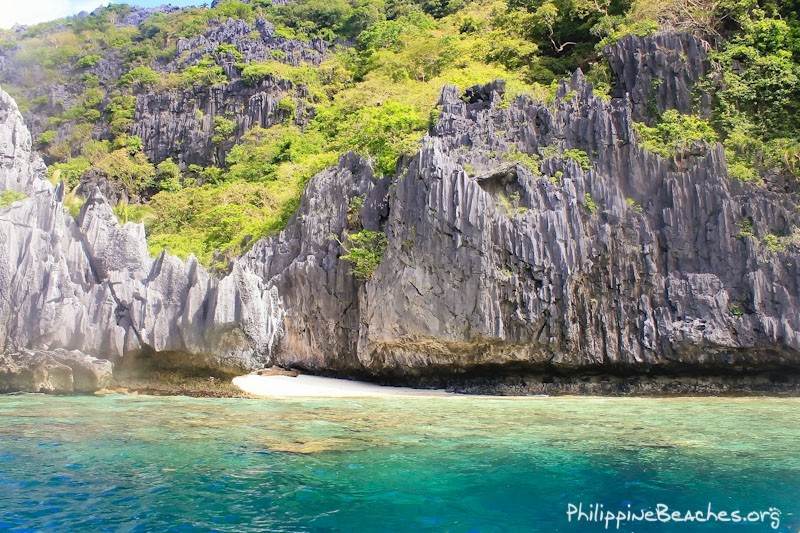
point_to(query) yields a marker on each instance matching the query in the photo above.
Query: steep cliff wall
(180, 124)
(632, 265)
(90, 285)
(531, 248)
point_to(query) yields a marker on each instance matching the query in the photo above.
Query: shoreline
(280, 383)
(311, 386)
(308, 386)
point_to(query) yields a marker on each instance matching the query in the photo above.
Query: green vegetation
(133, 212)
(375, 94)
(589, 203)
(365, 251)
(120, 114)
(675, 135)
(746, 229)
(205, 74)
(633, 205)
(70, 171)
(47, 138)
(227, 49)
(143, 76)
(9, 197)
(755, 86)
(774, 243)
(224, 128)
(88, 61)
(509, 204)
(579, 156)
(529, 161)
(73, 203)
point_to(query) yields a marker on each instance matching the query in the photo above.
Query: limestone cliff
(180, 124)
(90, 285)
(633, 264)
(531, 248)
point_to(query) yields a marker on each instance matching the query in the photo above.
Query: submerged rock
(56, 371)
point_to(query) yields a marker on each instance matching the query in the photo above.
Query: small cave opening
(503, 185)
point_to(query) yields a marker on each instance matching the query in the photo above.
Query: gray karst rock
(180, 124)
(659, 72)
(255, 42)
(90, 285)
(531, 248)
(56, 371)
(499, 266)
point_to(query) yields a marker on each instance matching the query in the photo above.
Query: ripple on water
(385, 464)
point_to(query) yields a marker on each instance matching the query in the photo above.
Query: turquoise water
(128, 463)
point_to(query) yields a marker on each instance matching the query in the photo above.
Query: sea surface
(138, 463)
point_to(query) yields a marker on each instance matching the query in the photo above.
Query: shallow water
(127, 463)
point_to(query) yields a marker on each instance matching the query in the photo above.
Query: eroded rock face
(90, 285)
(20, 169)
(180, 124)
(321, 297)
(497, 265)
(529, 246)
(659, 72)
(57, 371)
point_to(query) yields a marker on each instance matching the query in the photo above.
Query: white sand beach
(304, 386)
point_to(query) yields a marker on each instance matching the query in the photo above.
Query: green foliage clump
(233, 9)
(675, 134)
(589, 203)
(760, 80)
(365, 251)
(73, 203)
(774, 243)
(47, 137)
(202, 220)
(385, 132)
(168, 175)
(129, 168)
(746, 229)
(255, 73)
(630, 202)
(267, 154)
(757, 90)
(138, 213)
(70, 171)
(88, 61)
(579, 156)
(251, 197)
(93, 97)
(9, 197)
(143, 76)
(287, 106)
(226, 49)
(205, 74)
(224, 128)
(120, 113)
(529, 161)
